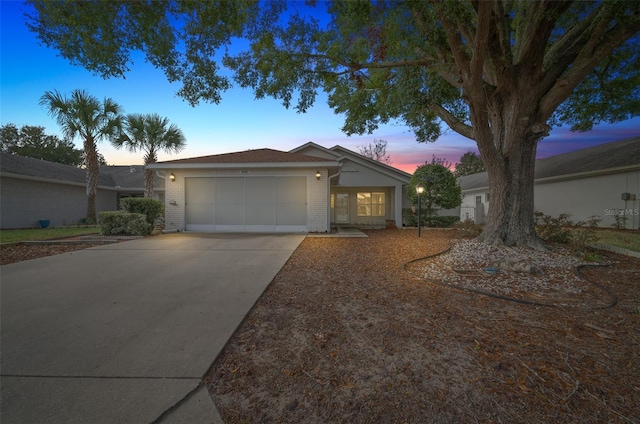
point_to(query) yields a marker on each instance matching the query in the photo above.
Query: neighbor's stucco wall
(585, 197)
(317, 193)
(25, 202)
(471, 208)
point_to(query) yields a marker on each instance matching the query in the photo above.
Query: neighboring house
(309, 189)
(601, 181)
(32, 190)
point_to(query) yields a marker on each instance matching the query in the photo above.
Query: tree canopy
(470, 163)
(497, 72)
(441, 189)
(33, 142)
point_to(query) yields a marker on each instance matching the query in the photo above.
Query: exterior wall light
(318, 175)
(172, 177)
(419, 190)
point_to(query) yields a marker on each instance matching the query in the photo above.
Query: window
(371, 204)
(486, 197)
(479, 199)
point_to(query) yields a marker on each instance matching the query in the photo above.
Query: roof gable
(357, 157)
(248, 156)
(313, 149)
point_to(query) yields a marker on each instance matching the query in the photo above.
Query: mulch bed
(344, 334)
(12, 253)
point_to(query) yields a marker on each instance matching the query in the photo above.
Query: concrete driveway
(123, 333)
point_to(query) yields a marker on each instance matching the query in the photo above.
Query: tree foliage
(376, 151)
(470, 163)
(32, 141)
(498, 72)
(85, 116)
(150, 134)
(441, 190)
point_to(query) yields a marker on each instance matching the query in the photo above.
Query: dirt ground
(345, 334)
(11, 253)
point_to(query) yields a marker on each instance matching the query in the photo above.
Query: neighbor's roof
(258, 156)
(608, 156)
(129, 177)
(45, 170)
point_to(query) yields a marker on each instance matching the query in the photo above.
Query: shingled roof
(248, 156)
(618, 154)
(129, 177)
(42, 169)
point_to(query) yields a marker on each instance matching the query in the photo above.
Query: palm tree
(83, 115)
(150, 134)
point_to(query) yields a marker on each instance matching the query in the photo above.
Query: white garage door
(246, 204)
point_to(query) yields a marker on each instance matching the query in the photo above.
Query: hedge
(124, 223)
(151, 208)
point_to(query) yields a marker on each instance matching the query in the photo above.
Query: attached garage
(261, 190)
(246, 204)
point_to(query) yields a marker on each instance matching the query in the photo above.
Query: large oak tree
(500, 72)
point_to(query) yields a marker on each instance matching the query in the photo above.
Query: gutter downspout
(329, 196)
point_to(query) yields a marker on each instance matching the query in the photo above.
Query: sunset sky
(238, 123)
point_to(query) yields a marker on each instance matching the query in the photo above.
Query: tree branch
(533, 38)
(455, 42)
(481, 43)
(454, 123)
(371, 65)
(596, 49)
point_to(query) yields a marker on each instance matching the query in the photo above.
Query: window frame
(380, 207)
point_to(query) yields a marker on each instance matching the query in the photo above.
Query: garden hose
(612, 303)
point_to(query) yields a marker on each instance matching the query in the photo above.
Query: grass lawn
(625, 239)
(32, 234)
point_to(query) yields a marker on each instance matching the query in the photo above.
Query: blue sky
(238, 123)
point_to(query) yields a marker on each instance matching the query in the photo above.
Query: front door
(342, 208)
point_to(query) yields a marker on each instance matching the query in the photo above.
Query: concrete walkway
(123, 333)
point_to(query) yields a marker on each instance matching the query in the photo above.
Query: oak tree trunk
(510, 220)
(508, 129)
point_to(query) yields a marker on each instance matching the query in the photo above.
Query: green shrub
(124, 223)
(151, 208)
(436, 221)
(470, 226)
(562, 230)
(621, 220)
(585, 234)
(446, 221)
(554, 230)
(410, 219)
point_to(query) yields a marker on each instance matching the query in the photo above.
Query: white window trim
(371, 205)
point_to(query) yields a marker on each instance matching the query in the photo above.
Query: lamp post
(419, 190)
